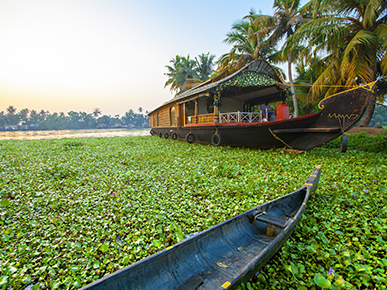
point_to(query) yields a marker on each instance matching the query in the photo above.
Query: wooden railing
(233, 117)
(206, 118)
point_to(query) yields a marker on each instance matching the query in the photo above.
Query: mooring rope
(332, 86)
(279, 139)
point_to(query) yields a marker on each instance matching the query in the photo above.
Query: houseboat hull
(338, 114)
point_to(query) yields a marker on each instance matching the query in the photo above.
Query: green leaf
(340, 281)
(77, 284)
(126, 260)
(157, 243)
(289, 268)
(322, 282)
(3, 280)
(104, 248)
(96, 265)
(302, 288)
(4, 202)
(55, 284)
(12, 269)
(74, 269)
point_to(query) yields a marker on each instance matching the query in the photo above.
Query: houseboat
(247, 108)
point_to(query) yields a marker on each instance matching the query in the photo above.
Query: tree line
(334, 45)
(26, 119)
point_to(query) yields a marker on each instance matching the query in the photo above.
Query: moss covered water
(75, 210)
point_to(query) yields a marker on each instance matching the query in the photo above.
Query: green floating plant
(116, 204)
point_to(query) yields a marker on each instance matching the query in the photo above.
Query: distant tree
(128, 117)
(11, 110)
(12, 118)
(34, 118)
(73, 120)
(105, 119)
(96, 112)
(2, 119)
(89, 122)
(42, 115)
(23, 115)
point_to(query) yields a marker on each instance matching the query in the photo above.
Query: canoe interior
(221, 257)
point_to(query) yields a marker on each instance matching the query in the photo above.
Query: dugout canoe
(247, 108)
(221, 257)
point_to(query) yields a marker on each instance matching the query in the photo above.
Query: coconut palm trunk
(370, 111)
(293, 90)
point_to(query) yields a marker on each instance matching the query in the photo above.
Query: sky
(76, 55)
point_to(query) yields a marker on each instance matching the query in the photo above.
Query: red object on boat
(282, 112)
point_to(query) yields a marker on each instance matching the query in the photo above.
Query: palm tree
(204, 66)
(96, 112)
(23, 115)
(11, 110)
(287, 18)
(247, 45)
(307, 75)
(353, 37)
(43, 115)
(181, 70)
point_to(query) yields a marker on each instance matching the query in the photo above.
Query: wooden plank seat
(272, 220)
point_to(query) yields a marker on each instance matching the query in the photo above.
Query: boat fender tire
(344, 143)
(190, 138)
(174, 136)
(160, 134)
(216, 139)
(166, 135)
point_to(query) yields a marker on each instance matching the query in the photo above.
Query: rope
(342, 127)
(279, 139)
(332, 86)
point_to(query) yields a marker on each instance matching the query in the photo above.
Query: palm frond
(381, 32)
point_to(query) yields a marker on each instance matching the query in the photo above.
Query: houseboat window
(158, 119)
(172, 116)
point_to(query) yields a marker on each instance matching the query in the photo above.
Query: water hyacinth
(64, 230)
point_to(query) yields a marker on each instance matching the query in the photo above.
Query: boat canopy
(256, 83)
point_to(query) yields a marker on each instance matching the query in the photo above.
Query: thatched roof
(256, 75)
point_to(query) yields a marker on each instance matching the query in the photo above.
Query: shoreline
(87, 133)
(82, 133)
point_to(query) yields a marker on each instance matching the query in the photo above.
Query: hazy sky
(62, 55)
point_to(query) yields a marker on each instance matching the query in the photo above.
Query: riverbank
(56, 134)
